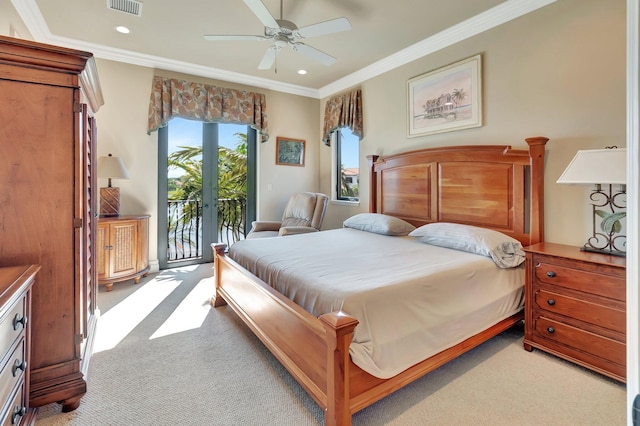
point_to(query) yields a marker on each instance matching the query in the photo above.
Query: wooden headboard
(492, 186)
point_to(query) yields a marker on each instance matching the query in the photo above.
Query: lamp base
(109, 202)
(611, 252)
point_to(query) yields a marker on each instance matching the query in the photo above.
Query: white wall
(10, 23)
(122, 131)
(557, 72)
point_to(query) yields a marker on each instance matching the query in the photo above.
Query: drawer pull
(17, 320)
(18, 413)
(18, 365)
(551, 302)
(551, 330)
(551, 274)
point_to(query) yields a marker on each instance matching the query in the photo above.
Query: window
(206, 188)
(347, 165)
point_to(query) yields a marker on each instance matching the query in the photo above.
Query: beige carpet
(170, 359)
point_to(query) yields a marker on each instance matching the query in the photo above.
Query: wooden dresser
(47, 191)
(15, 337)
(123, 249)
(575, 306)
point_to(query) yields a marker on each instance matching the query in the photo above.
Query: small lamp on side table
(603, 166)
(111, 168)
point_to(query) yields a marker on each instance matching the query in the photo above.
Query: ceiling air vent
(132, 7)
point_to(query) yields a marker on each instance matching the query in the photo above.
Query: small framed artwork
(446, 99)
(289, 152)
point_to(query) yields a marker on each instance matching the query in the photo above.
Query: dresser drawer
(581, 340)
(593, 313)
(11, 326)
(584, 281)
(16, 410)
(12, 371)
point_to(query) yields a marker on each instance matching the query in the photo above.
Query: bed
(490, 187)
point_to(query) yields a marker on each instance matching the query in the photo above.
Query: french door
(206, 188)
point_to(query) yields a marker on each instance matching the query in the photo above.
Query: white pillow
(505, 251)
(379, 224)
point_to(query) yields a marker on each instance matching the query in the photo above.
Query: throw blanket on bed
(412, 300)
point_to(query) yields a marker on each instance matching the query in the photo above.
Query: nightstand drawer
(588, 282)
(15, 410)
(12, 371)
(593, 313)
(12, 326)
(582, 340)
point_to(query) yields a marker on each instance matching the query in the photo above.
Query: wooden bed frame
(490, 186)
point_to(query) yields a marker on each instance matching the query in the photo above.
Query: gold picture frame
(290, 152)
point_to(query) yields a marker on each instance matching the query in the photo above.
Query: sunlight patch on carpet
(119, 321)
(191, 312)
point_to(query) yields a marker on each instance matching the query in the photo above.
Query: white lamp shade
(112, 168)
(597, 166)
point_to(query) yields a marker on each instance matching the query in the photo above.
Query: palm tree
(232, 183)
(232, 171)
(458, 95)
(346, 189)
(189, 185)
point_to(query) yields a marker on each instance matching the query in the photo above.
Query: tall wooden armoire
(48, 191)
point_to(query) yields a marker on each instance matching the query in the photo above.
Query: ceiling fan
(285, 33)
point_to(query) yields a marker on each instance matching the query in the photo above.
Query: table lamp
(111, 168)
(597, 167)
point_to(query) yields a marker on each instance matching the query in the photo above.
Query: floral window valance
(176, 98)
(344, 110)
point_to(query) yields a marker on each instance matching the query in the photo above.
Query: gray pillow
(379, 224)
(505, 251)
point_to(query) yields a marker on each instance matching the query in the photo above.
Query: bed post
(536, 158)
(373, 184)
(339, 329)
(218, 250)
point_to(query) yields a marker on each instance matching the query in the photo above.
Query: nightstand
(575, 306)
(122, 249)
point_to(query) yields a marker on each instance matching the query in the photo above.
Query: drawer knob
(551, 330)
(19, 321)
(18, 413)
(551, 274)
(18, 365)
(551, 302)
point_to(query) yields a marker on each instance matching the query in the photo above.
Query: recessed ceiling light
(122, 29)
(302, 72)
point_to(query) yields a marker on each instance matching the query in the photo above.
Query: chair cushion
(299, 210)
(262, 234)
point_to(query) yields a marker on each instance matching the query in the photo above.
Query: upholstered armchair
(304, 213)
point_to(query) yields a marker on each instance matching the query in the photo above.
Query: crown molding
(504, 12)
(484, 21)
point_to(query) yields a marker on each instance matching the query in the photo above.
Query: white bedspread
(412, 300)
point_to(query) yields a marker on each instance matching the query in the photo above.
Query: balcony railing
(184, 219)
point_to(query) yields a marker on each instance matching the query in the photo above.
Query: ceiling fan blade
(269, 58)
(327, 27)
(234, 37)
(263, 14)
(314, 53)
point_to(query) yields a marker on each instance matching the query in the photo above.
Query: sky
(184, 132)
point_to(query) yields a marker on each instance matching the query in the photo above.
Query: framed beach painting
(446, 99)
(289, 152)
